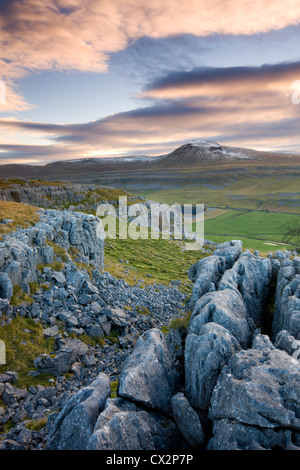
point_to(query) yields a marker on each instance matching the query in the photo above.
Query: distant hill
(190, 154)
(197, 162)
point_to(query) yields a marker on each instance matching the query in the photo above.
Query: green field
(258, 230)
(267, 192)
(250, 204)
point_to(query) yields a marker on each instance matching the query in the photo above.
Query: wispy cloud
(226, 103)
(224, 81)
(249, 105)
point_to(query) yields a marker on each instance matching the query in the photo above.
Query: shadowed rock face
(148, 376)
(207, 272)
(124, 425)
(205, 355)
(250, 276)
(75, 423)
(6, 289)
(225, 308)
(258, 387)
(287, 299)
(187, 420)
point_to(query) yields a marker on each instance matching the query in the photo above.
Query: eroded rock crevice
(241, 343)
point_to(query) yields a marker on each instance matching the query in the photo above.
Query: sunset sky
(92, 78)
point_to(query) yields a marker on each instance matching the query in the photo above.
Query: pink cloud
(80, 34)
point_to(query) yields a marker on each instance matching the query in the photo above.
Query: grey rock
(105, 324)
(116, 316)
(125, 426)
(147, 376)
(95, 307)
(59, 277)
(5, 378)
(187, 420)
(233, 435)
(280, 255)
(287, 290)
(19, 416)
(259, 387)
(84, 299)
(12, 394)
(74, 425)
(89, 287)
(21, 251)
(205, 356)
(226, 308)
(4, 306)
(10, 444)
(51, 332)
(125, 431)
(207, 272)
(287, 304)
(89, 359)
(95, 331)
(56, 364)
(35, 310)
(9, 376)
(230, 251)
(72, 344)
(250, 276)
(24, 437)
(288, 343)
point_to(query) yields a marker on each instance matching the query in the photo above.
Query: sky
(103, 78)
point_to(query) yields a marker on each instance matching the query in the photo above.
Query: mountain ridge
(191, 153)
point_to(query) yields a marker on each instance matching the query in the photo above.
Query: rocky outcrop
(207, 272)
(259, 388)
(187, 420)
(225, 308)
(124, 425)
(6, 288)
(137, 419)
(288, 343)
(149, 376)
(217, 384)
(205, 355)
(232, 376)
(248, 386)
(287, 299)
(222, 321)
(74, 425)
(250, 276)
(22, 251)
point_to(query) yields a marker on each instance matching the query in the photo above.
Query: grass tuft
(22, 216)
(24, 341)
(20, 297)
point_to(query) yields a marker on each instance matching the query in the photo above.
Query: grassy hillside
(159, 261)
(14, 215)
(273, 192)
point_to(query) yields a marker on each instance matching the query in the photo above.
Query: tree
(292, 232)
